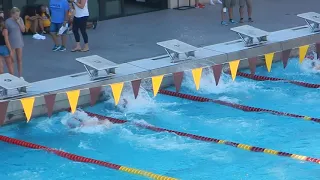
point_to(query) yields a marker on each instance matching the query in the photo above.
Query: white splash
(92, 125)
(226, 84)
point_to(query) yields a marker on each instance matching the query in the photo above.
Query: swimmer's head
(313, 64)
(73, 123)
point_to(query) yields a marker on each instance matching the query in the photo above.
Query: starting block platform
(97, 63)
(312, 19)
(177, 47)
(12, 86)
(248, 34)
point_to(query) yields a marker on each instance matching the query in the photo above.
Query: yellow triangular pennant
(196, 73)
(303, 52)
(116, 91)
(27, 104)
(73, 97)
(156, 83)
(234, 68)
(269, 58)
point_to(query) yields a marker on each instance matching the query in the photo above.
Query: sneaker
(224, 23)
(241, 20)
(232, 21)
(62, 48)
(95, 24)
(199, 5)
(250, 20)
(55, 48)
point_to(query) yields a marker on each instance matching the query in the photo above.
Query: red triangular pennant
(94, 95)
(177, 78)
(285, 57)
(3, 111)
(217, 70)
(50, 100)
(253, 64)
(136, 87)
(318, 49)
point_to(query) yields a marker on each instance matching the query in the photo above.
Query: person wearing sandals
(6, 52)
(242, 3)
(227, 4)
(80, 22)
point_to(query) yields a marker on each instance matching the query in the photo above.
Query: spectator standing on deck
(80, 19)
(227, 4)
(242, 3)
(15, 27)
(59, 18)
(5, 47)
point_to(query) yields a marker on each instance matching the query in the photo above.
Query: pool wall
(207, 56)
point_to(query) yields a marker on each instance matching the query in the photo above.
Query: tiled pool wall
(207, 56)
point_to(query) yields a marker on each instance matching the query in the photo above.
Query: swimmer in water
(79, 123)
(315, 66)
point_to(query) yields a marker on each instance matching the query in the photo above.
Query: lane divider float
(265, 78)
(210, 140)
(236, 106)
(83, 159)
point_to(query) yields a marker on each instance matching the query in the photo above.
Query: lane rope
(265, 78)
(236, 106)
(77, 158)
(210, 140)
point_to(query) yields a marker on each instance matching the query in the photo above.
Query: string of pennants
(73, 95)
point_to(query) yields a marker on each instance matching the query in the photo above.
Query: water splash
(92, 125)
(207, 84)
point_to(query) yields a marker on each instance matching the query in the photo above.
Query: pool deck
(133, 38)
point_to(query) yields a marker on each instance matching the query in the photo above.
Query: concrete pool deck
(132, 38)
(205, 56)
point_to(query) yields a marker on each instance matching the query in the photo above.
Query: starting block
(248, 34)
(312, 19)
(177, 47)
(15, 85)
(97, 63)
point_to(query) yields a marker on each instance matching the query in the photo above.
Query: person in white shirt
(80, 22)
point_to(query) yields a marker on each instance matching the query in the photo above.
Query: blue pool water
(174, 156)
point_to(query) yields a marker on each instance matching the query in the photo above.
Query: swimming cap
(73, 123)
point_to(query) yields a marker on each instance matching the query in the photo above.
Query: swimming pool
(180, 157)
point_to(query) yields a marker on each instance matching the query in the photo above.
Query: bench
(15, 85)
(97, 63)
(312, 19)
(248, 34)
(177, 47)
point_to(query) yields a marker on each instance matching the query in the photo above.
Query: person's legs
(225, 4)
(9, 63)
(230, 11)
(83, 28)
(1, 64)
(241, 9)
(41, 27)
(75, 30)
(19, 61)
(249, 9)
(34, 26)
(53, 32)
(64, 42)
